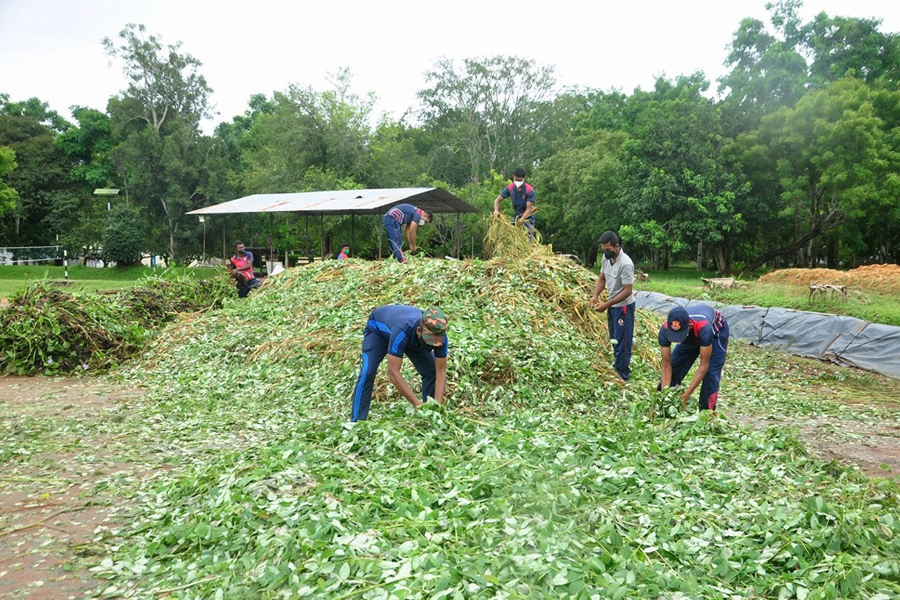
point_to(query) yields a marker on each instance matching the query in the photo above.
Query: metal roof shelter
(343, 202)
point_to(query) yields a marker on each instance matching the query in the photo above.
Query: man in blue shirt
(522, 196)
(397, 330)
(412, 217)
(699, 330)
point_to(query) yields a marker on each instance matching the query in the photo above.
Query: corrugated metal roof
(343, 202)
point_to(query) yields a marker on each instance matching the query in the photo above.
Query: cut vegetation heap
(45, 329)
(538, 480)
(878, 278)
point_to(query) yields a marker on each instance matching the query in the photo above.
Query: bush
(123, 237)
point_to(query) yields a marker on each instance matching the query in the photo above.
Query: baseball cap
(434, 327)
(677, 326)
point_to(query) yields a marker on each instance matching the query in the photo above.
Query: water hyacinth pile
(46, 329)
(541, 477)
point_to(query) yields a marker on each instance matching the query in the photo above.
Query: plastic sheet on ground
(843, 340)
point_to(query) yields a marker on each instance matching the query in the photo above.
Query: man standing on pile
(522, 195)
(242, 270)
(699, 330)
(617, 275)
(396, 330)
(412, 217)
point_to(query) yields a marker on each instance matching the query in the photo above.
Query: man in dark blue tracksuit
(412, 217)
(522, 196)
(397, 330)
(699, 330)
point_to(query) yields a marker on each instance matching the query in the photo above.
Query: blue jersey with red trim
(405, 214)
(520, 196)
(398, 324)
(705, 323)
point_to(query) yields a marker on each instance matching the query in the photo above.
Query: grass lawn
(88, 279)
(685, 282)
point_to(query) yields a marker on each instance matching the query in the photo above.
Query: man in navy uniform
(397, 330)
(699, 330)
(522, 196)
(412, 217)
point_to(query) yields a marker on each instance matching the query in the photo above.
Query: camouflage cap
(434, 327)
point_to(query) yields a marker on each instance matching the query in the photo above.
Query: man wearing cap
(396, 330)
(412, 217)
(522, 196)
(617, 274)
(699, 330)
(345, 252)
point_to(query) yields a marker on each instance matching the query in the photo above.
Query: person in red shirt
(242, 270)
(345, 252)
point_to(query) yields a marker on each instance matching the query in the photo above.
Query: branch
(829, 222)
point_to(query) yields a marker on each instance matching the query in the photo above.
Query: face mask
(519, 183)
(609, 254)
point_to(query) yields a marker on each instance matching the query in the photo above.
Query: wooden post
(379, 241)
(458, 234)
(271, 240)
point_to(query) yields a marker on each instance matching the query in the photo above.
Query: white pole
(66, 262)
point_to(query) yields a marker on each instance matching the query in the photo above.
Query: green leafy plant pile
(46, 329)
(540, 478)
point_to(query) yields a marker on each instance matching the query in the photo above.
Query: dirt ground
(52, 505)
(55, 507)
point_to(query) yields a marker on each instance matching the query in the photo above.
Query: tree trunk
(721, 259)
(666, 257)
(832, 253)
(700, 255)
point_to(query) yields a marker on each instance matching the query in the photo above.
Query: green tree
(489, 112)
(579, 188)
(677, 180)
(165, 82)
(167, 167)
(768, 70)
(841, 44)
(8, 196)
(832, 159)
(306, 131)
(123, 236)
(46, 194)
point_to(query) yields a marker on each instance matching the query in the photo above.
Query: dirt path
(865, 432)
(53, 503)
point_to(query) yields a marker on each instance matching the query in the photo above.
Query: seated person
(242, 270)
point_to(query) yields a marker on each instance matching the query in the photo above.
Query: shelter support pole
(224, 246)
(353, 232)
(322, 234)
(379, 242)
(458, 234)
(271, 240)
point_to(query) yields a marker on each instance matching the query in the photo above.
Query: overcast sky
(52, 48)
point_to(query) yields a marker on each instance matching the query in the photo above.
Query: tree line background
(795, 161)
